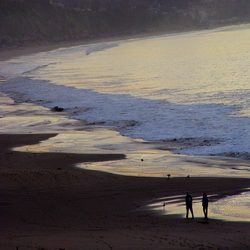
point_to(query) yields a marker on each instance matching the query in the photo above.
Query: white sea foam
(142, 118)
(186, 87)
(24, 65)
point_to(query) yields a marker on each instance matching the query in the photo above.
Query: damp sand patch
(229, 208)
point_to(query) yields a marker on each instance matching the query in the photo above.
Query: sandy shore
(15, 51)
(10, 52)
(47, 203)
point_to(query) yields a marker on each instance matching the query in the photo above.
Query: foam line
(135, 117)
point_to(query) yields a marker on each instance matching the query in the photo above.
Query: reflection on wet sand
(25, 118)
(229, 208)
(142, 159)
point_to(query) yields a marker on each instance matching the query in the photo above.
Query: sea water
(188, 93)
(192, 85)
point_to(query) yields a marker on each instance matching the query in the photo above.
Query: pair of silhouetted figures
(189, 205)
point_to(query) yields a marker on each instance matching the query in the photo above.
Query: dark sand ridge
(46, 202)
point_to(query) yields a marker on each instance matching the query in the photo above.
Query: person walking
(189, 205)
(205, 204)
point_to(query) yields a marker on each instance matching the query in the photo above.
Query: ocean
(163, 100)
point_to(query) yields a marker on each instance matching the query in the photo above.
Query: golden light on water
(191, 67)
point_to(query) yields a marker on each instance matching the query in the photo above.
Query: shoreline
(15, 51)
(11, 52)
(46, 202)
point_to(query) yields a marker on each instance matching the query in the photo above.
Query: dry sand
(47, 203)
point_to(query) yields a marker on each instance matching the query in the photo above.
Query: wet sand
(47, 203)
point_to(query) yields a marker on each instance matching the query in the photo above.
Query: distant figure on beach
(189, 205)
(205, 204)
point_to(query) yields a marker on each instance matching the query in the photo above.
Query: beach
(85, 177)
(48, 203)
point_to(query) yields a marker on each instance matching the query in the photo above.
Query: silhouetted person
(189, 205)
(205, 204)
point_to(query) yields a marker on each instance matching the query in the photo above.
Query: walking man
(205, 204)
(189, 205)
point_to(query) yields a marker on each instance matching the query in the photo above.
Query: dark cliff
(39, 21)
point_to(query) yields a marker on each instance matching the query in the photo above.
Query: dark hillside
(41, 21)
